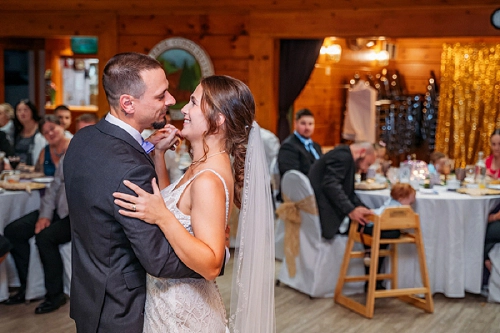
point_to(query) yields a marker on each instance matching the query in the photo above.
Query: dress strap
(183, 186)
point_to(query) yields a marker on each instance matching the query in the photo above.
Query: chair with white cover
(392, 218)
(279, 230)
(311, 263)
(35, 284)
(494, 283)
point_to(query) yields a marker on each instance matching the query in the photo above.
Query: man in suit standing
(298, 151)
(111, 253)
(332, 179)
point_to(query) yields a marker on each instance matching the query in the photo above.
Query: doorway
(22, 68)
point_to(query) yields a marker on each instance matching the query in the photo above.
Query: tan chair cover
(289, 212)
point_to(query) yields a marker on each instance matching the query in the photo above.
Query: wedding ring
(133, 207)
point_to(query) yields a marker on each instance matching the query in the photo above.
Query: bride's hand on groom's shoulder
(145, 206)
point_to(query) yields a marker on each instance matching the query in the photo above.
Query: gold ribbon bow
(289, 212)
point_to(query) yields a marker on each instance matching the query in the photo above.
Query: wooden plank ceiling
(203, 6)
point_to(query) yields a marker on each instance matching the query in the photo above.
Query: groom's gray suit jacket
(111, 253)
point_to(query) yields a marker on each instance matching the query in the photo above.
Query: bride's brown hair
(233, 99)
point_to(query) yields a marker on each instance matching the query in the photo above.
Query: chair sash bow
(289, 212)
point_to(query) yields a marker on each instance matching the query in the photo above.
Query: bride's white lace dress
(184, 305)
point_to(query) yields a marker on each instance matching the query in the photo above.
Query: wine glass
(469, 173)
(446, 169)
(385, 165)
(14, 161)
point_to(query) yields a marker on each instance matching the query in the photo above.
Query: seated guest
(28, 141)
(271, 145)
(63, 113)
(5, 247)
(6, 122)
(51, 227)
(298, 151)
(493, 161)
(5, 145)
(436, 162)
(84, 120)
(332, 179)
(492, 237)
(49, 157)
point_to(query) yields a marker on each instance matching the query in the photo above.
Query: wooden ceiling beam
(203, 6)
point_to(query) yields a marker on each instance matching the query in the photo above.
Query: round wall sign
(185, 63)
(495, 18)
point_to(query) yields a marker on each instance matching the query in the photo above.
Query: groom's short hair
(122, 75)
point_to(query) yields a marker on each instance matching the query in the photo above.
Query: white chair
(35, 284)
(279, 230)
(274, 172)
(318, 262)
(494, 283)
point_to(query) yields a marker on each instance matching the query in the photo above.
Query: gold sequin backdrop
(469, 106)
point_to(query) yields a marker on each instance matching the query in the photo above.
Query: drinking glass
(404, 173)
(469, 173)
(14, 161)
(393, 175)
(460, 173)
(446, 170)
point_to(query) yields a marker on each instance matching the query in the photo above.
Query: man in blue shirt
(298, 151)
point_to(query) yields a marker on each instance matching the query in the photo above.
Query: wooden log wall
(242, 38)
(325, 92)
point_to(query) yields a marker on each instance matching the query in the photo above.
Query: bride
(193, 214)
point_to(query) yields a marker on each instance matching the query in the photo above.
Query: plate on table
(478, 191)
(494, 186)
(428, 191)
(369, 186)
(44, 180)
(24, 186)
(31, 175)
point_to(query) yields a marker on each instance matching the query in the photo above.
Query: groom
(111, 253)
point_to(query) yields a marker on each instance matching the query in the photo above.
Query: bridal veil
(252, 292)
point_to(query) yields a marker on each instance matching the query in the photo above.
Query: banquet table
(13, 205)
(453, 227)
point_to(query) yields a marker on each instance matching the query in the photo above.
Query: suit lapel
(119, 133)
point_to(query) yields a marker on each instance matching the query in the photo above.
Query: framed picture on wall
(185, 63)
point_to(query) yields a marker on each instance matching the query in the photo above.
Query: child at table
(401, 194)
(436, 163)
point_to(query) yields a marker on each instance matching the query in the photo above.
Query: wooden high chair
(392, 218)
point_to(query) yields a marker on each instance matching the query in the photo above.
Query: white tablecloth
(453, 227)
(13, 205)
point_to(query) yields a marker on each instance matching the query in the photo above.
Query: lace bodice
(184, 305)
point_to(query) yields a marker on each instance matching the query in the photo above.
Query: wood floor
(297, 313)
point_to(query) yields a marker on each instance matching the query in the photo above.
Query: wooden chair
(392, 218)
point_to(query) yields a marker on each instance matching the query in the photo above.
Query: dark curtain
(297, 60)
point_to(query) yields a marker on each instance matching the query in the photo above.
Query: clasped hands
(165, 138)
(359, 214)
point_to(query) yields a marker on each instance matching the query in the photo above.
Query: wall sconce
(332, 52)
(381, 57)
